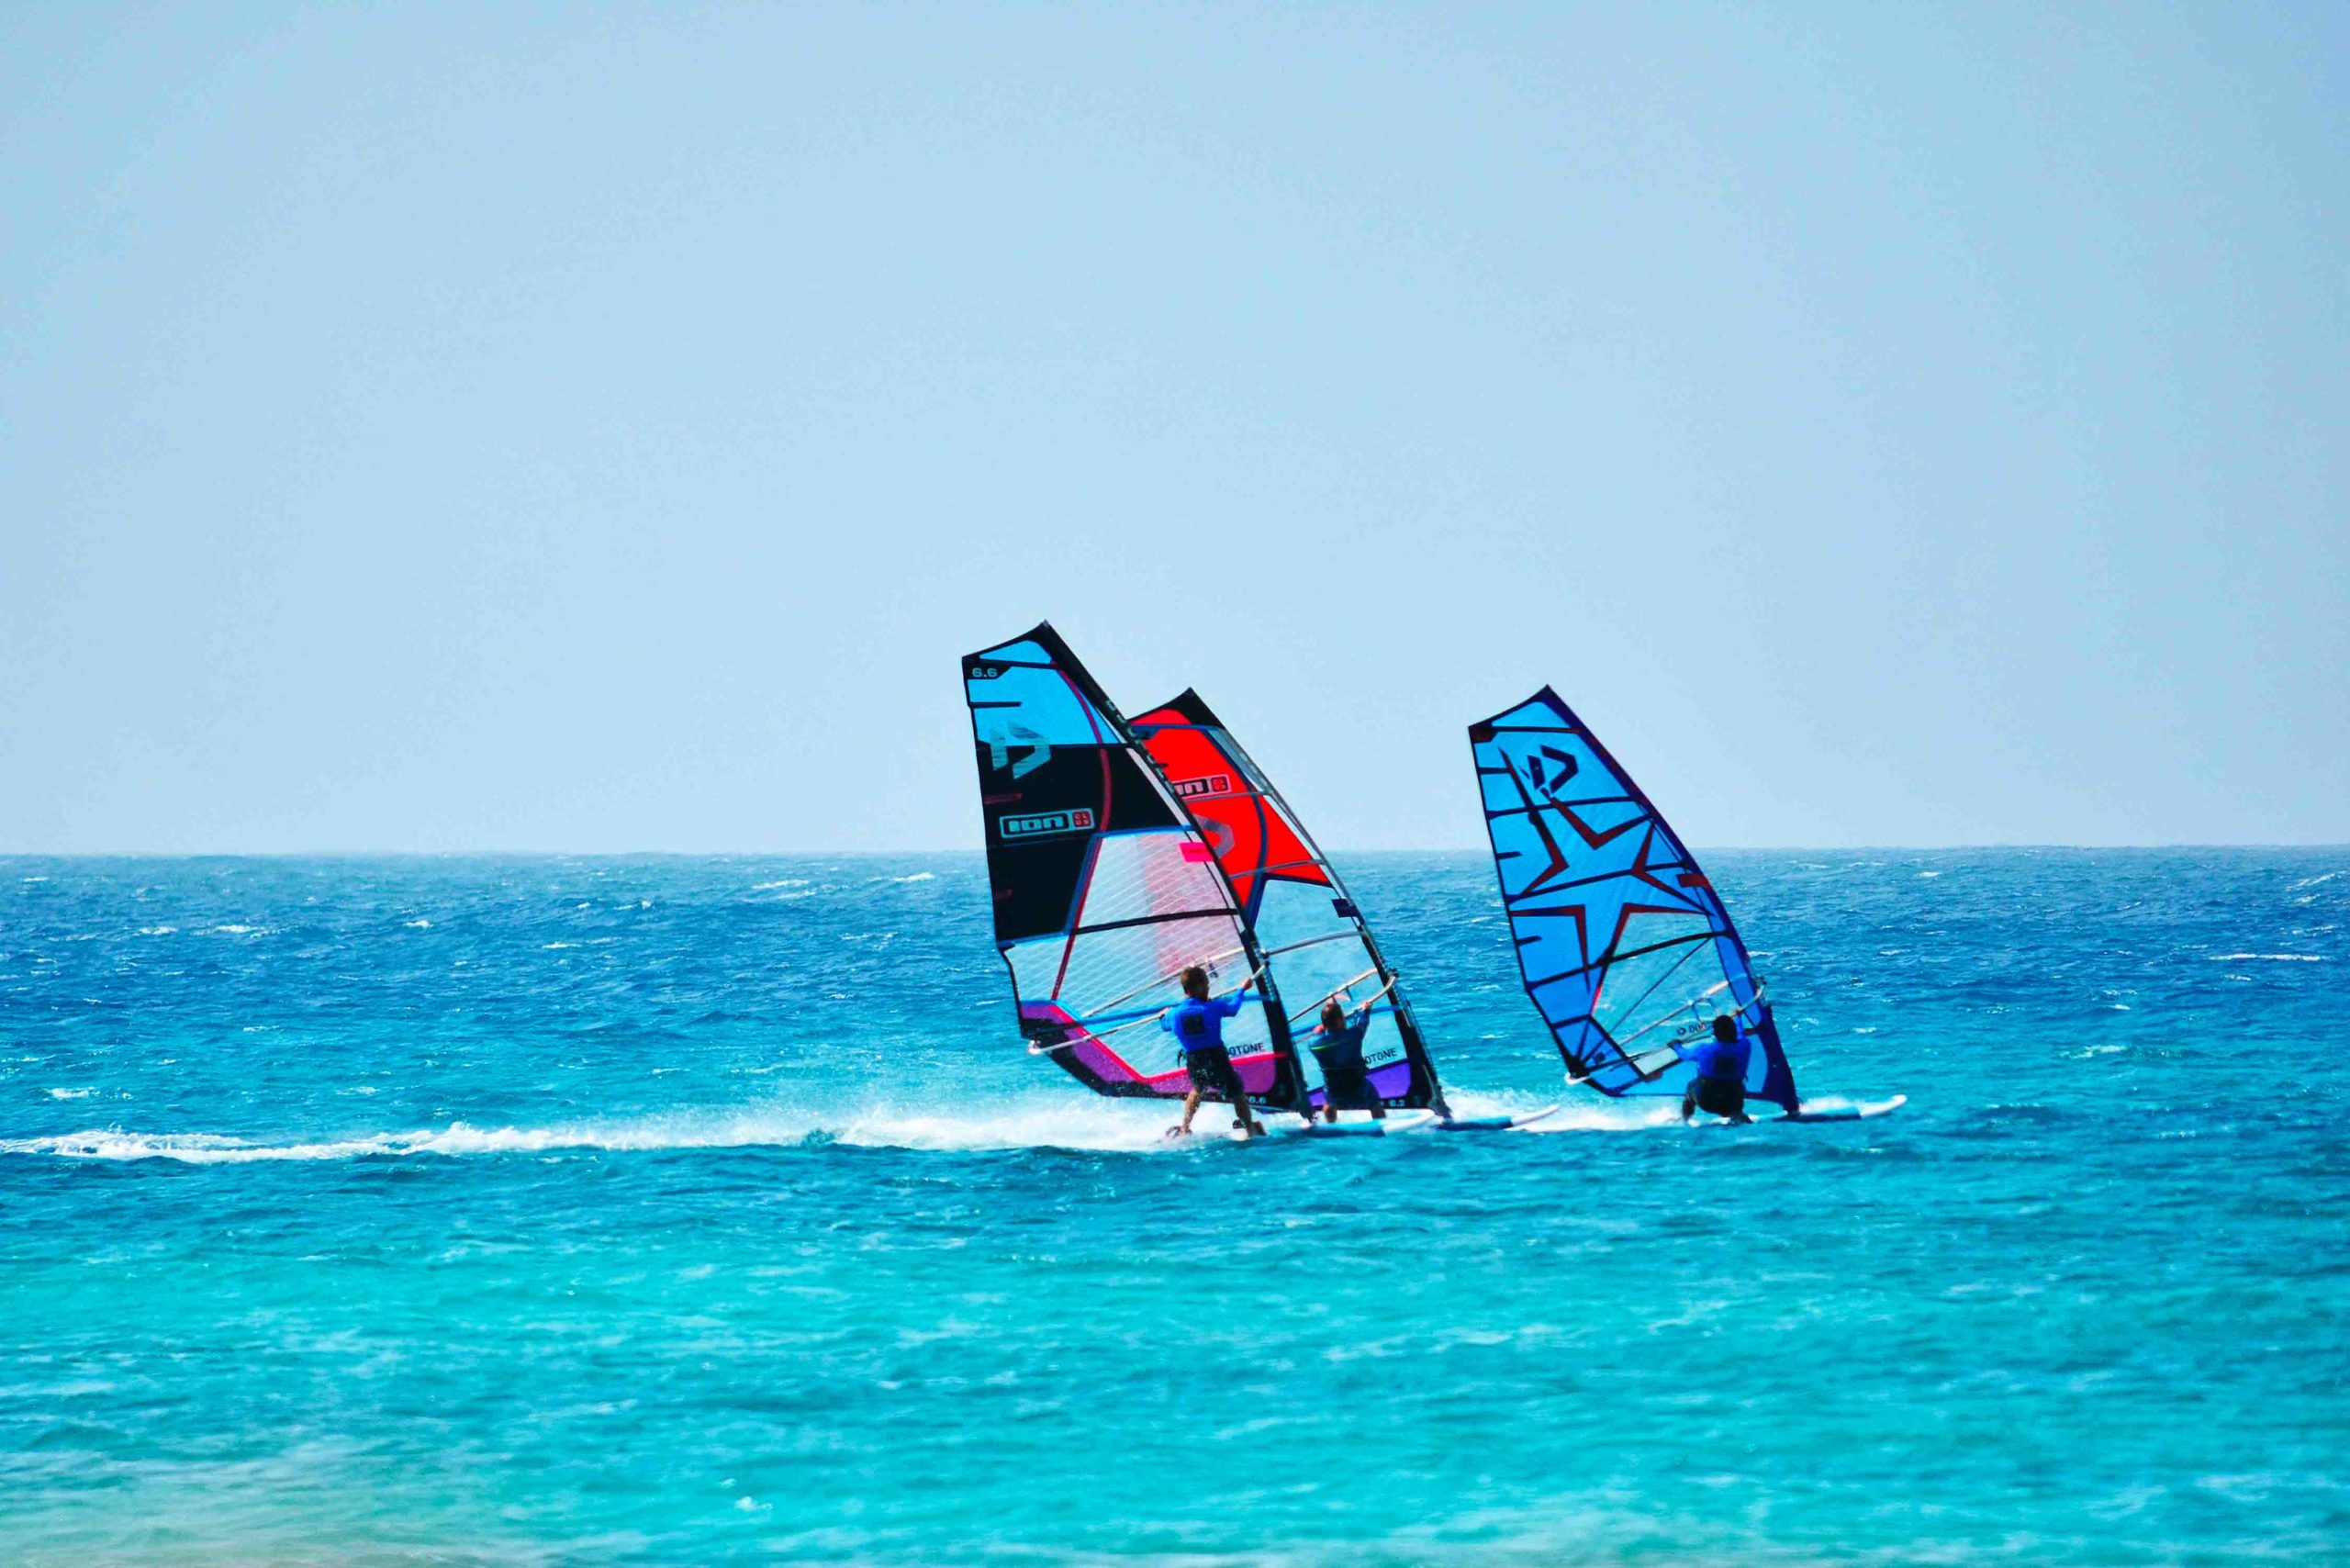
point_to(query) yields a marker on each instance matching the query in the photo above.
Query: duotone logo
(1037, 823)
(1213, 784)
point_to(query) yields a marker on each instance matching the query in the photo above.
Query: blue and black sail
(1623, 943)
(1104, 889)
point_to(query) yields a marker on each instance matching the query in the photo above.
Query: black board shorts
(1720, 1096)
(1348, 1088)
(1213, 1073)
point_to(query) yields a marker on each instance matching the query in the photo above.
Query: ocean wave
(2267, 957)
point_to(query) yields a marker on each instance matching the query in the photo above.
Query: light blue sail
(1623, 943)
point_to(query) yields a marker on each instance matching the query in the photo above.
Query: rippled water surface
(689, 1210)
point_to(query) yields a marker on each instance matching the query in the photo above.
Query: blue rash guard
(1340, 1049)
(1198, 1024)
(1721, 1059)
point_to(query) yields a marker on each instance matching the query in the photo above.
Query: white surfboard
(1501, 1123)
(1859, 1113)
(1279, 1126)
(1408, 1121)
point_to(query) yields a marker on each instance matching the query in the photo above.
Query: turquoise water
(689, 1211)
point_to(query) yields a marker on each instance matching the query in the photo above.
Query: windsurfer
(1719, 1087)
(1337, 1046)
(1197, 1023)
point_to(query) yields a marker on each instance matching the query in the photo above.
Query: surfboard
(1858, 1112)
(1410, 1122)
(1282, 1127)
(1483, 1124)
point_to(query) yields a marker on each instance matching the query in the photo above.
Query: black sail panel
(1103, 889)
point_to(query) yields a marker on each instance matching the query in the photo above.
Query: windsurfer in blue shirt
(1338, 1047)
(1197, 1023)
(1719, 1087)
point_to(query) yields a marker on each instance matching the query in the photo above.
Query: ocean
(660, 1210)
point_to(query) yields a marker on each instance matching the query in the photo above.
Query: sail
(1624, 944)
(1310, 930)
(1103, 889)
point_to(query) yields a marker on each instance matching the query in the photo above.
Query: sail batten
(1309, 930)
(1619, 934)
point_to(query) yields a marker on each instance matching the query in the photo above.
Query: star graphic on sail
(1612, 903)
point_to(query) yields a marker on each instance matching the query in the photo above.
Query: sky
(592, 429)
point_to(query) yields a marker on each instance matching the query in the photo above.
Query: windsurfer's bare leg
(1243, 1117)
(1190, 1109)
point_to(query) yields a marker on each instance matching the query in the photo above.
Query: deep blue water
(685, 1210)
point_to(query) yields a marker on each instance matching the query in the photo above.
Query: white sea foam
(419, 923)
(71, 1093)
(2316, 881)
(917, 877)
(2268, 957)
(780, 882)
(1083, 1125)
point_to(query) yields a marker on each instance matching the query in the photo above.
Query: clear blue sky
(580, 429)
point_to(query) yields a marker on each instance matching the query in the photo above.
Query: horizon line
(347, 854)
